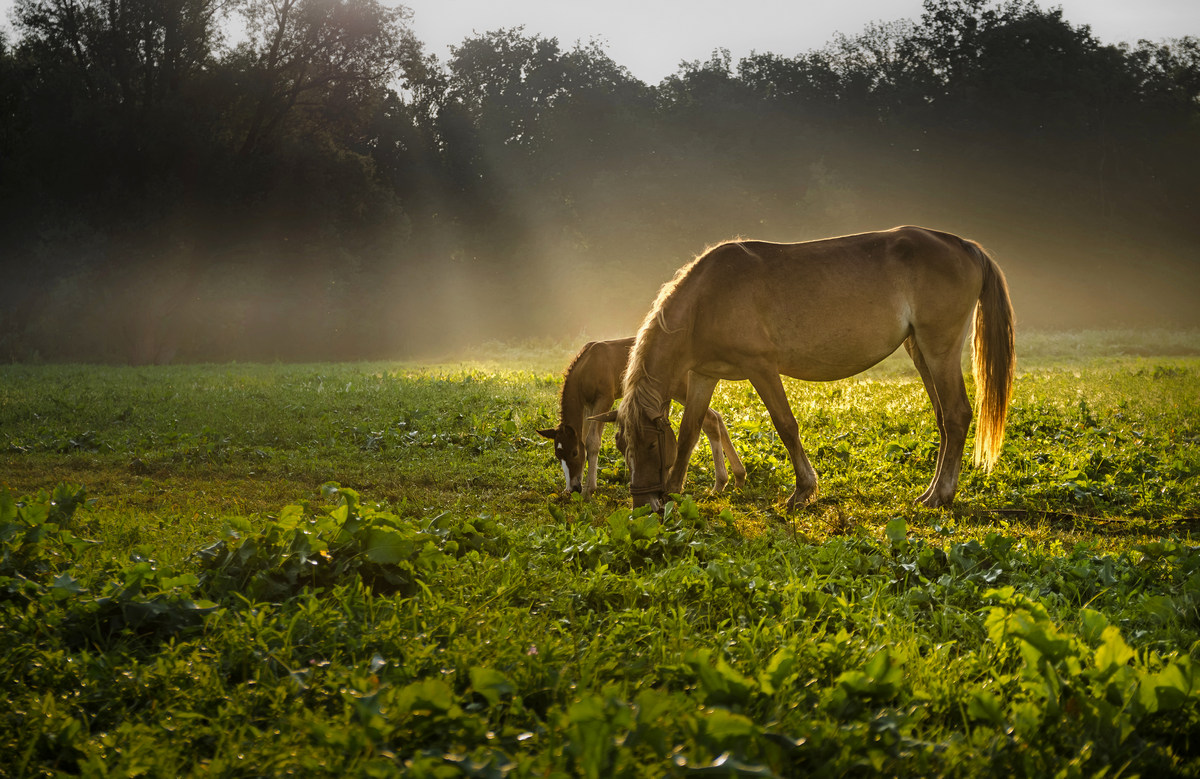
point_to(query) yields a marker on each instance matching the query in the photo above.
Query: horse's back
(600, 367)
(829, 308)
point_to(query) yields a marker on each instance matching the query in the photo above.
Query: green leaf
(726, 767)
(65, 585)
(854, 681)
(594, 723)
(880, 677)
(618, 525)
(1113, 652)
(720, 683)
(426, 695)
(986, 707)
(8, 506)
(644, 528)
(387, 547)
(722, 725)
(66, 498)
(1040, 639)
(885, 670)
(689, 510)
(779, 668)
(1169, 689)
(491, 684)
(897, 532)
(1092, 625)
(1161, 608)
(290, 517)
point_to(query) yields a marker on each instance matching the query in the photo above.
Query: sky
(652, 37)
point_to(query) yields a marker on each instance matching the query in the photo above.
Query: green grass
(204, 605)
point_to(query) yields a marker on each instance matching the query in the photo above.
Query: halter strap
(659, 486)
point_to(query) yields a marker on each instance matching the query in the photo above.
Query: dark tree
(321, 188)
(322, 58)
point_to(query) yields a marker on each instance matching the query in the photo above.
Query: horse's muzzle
(651, 496)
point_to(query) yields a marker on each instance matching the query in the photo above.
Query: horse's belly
(721, 369)
(831, 367)
(815, 362)
(838, 349)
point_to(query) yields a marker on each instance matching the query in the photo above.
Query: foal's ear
(608, 416)
(547, 433)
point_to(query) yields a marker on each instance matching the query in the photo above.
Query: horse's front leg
(699, 393)
(770, 388)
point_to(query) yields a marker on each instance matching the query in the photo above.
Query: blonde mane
(644, 393)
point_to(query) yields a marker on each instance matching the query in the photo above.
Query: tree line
(300, 179)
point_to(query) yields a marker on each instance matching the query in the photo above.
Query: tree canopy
(298, 179)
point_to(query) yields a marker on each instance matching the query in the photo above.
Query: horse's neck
(578, 393)
(573, 400)
(593, 382)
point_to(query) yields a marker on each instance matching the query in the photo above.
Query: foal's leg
(593, 432)
(770, 388)
(944, 382)
(713, 428)
(699, 393)
(735, 462)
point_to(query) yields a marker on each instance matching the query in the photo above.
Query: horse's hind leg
(941, 373)
(770, 388)
(926, 378)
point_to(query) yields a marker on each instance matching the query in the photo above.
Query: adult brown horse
(593, 381)
(820, 311)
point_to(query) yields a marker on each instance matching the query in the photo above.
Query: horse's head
(648, 444)
(568, 448)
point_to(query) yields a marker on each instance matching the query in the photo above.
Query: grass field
(360, 569)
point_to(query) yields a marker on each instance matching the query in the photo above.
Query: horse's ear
(547, 433)
(608, 416)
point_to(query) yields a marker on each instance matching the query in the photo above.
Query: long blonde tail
(994, 361)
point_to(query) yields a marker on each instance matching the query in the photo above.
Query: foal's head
(568, 448)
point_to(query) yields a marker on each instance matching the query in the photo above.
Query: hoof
(801, 498)
(932, 501)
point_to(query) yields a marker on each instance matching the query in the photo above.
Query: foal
(593, 382)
